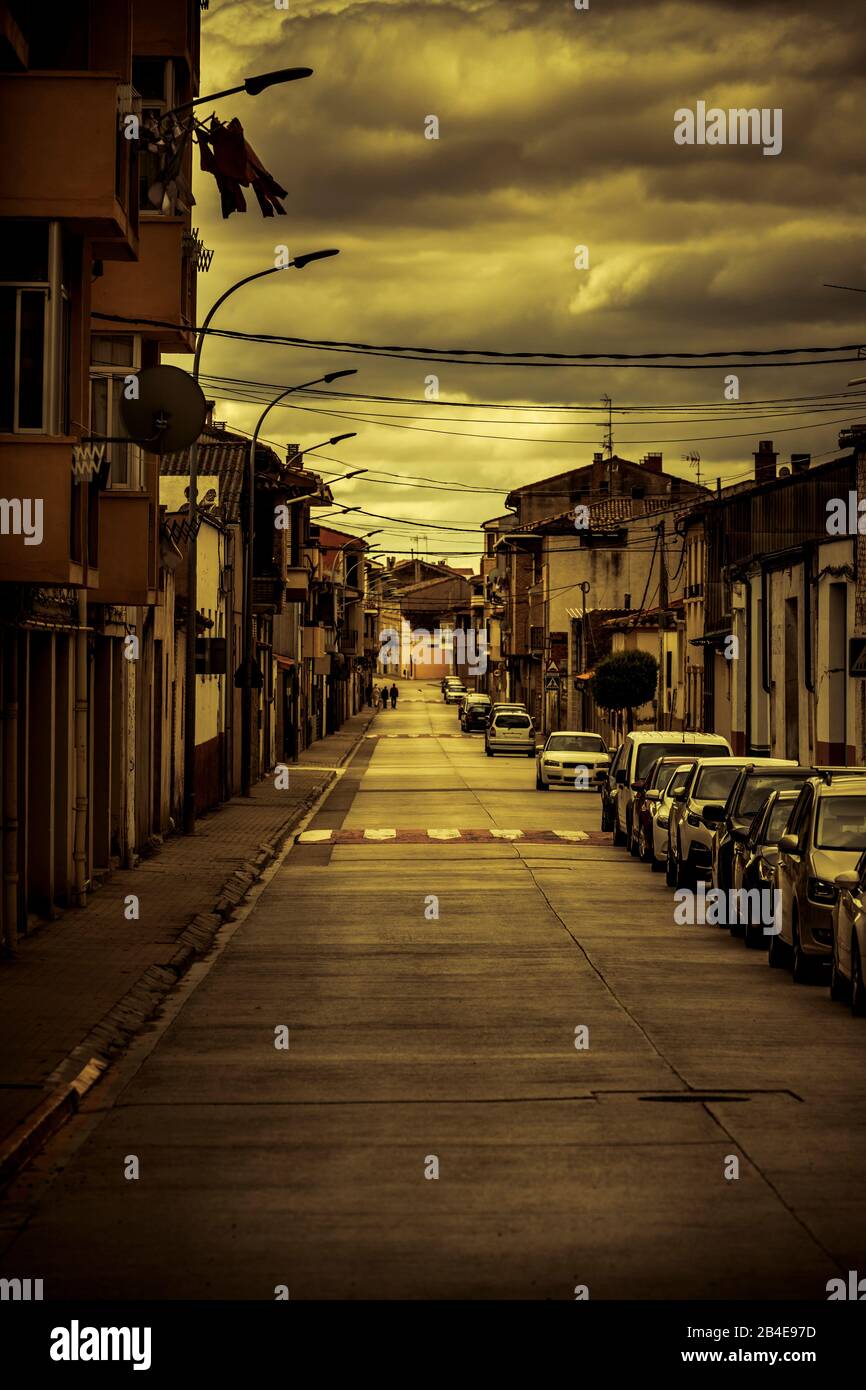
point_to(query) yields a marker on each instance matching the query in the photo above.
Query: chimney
(292, 456)
(598, 458)
(765, 461)
(652, 463)
(800, 462)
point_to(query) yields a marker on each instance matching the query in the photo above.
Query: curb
(28, 1137)
(126, 1018)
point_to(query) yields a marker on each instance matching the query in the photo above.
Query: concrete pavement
(433, 991)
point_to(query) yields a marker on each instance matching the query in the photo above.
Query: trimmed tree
(624, 681)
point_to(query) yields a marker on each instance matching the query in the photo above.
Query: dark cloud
(556, 128)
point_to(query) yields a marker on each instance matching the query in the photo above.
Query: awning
(286, 662)
(585, 676)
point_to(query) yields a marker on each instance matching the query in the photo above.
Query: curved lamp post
(189, 771)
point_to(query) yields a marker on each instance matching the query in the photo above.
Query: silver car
(824, 837)
(849, 938)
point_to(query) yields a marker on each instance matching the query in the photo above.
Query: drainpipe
(79, 851)
(10, 795)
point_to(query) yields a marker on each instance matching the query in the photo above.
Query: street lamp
(192, 547)
(251, 85)
(248, 662)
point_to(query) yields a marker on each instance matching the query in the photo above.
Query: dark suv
(474, 712)
(748, 794)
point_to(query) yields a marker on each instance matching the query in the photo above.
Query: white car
(849, 937)
(639, 751)
(572, 759)
(696, 812)
(510, 731)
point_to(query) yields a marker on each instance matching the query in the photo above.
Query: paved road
(415, 1038)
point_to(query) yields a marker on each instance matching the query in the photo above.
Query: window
(648, 752)
(113, 358)
(576, 743)
(755, 791)
(513, 721)
(778, 818)
(841, 823)
(715, 783)
(34, 329)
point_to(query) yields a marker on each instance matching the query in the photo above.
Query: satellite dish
(169, 411)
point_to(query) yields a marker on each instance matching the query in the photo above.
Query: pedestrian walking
(369, 692)
(394, 693)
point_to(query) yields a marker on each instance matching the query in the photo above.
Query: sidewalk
(80, 987)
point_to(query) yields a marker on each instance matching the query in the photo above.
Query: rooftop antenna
(607, 442)
(695, 460)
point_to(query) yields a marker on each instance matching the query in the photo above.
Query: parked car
(473, 712)
(825, 836)
(505, 705)
(454, 693)
(510, 731)
(652, 808)
(849, 938)
(565, 755)
(748, 795)
(755, 858)
(640, 750)
(610, 788)
(695, 813)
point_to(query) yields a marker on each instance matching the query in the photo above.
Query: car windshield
(662, 775)
(714, 783)
(779, 816)
(679, 780)
(648, 752)
(479, 700)
(575, 743)
(841, 822)
(512, 721)
(755, 790)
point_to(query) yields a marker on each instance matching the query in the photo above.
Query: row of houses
(99, 263)
(751, 597)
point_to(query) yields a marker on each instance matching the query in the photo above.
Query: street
(506, 1074)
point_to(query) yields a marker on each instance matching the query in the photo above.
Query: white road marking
(571, 834)
(507, 834)
(443, 834)
(314, 837)
(380, 834)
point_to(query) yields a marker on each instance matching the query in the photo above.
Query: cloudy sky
(555, 130)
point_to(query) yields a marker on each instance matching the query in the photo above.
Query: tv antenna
(695, 460)
(607, 442)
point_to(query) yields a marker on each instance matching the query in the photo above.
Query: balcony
(39, 468)
(314, 643)
(349, 642)
(160, 285)
(268, 590)
(297, 583)
(127, 559)
(74, 164)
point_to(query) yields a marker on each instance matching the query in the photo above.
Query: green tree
(625, 680)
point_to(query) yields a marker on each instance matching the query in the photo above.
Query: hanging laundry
(235, 165)
(164, 145)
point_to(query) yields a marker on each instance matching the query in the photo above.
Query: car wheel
(801, 966)
(618, 835)
(737, 926)
(670, 868)
(606, 819)
(657, 865)
(489, 752)
(777, 956)
(631, 839)
(858, 991)
(838, 984)
(644, 851)
(540, 786)
(685, 874)
(531, 753)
